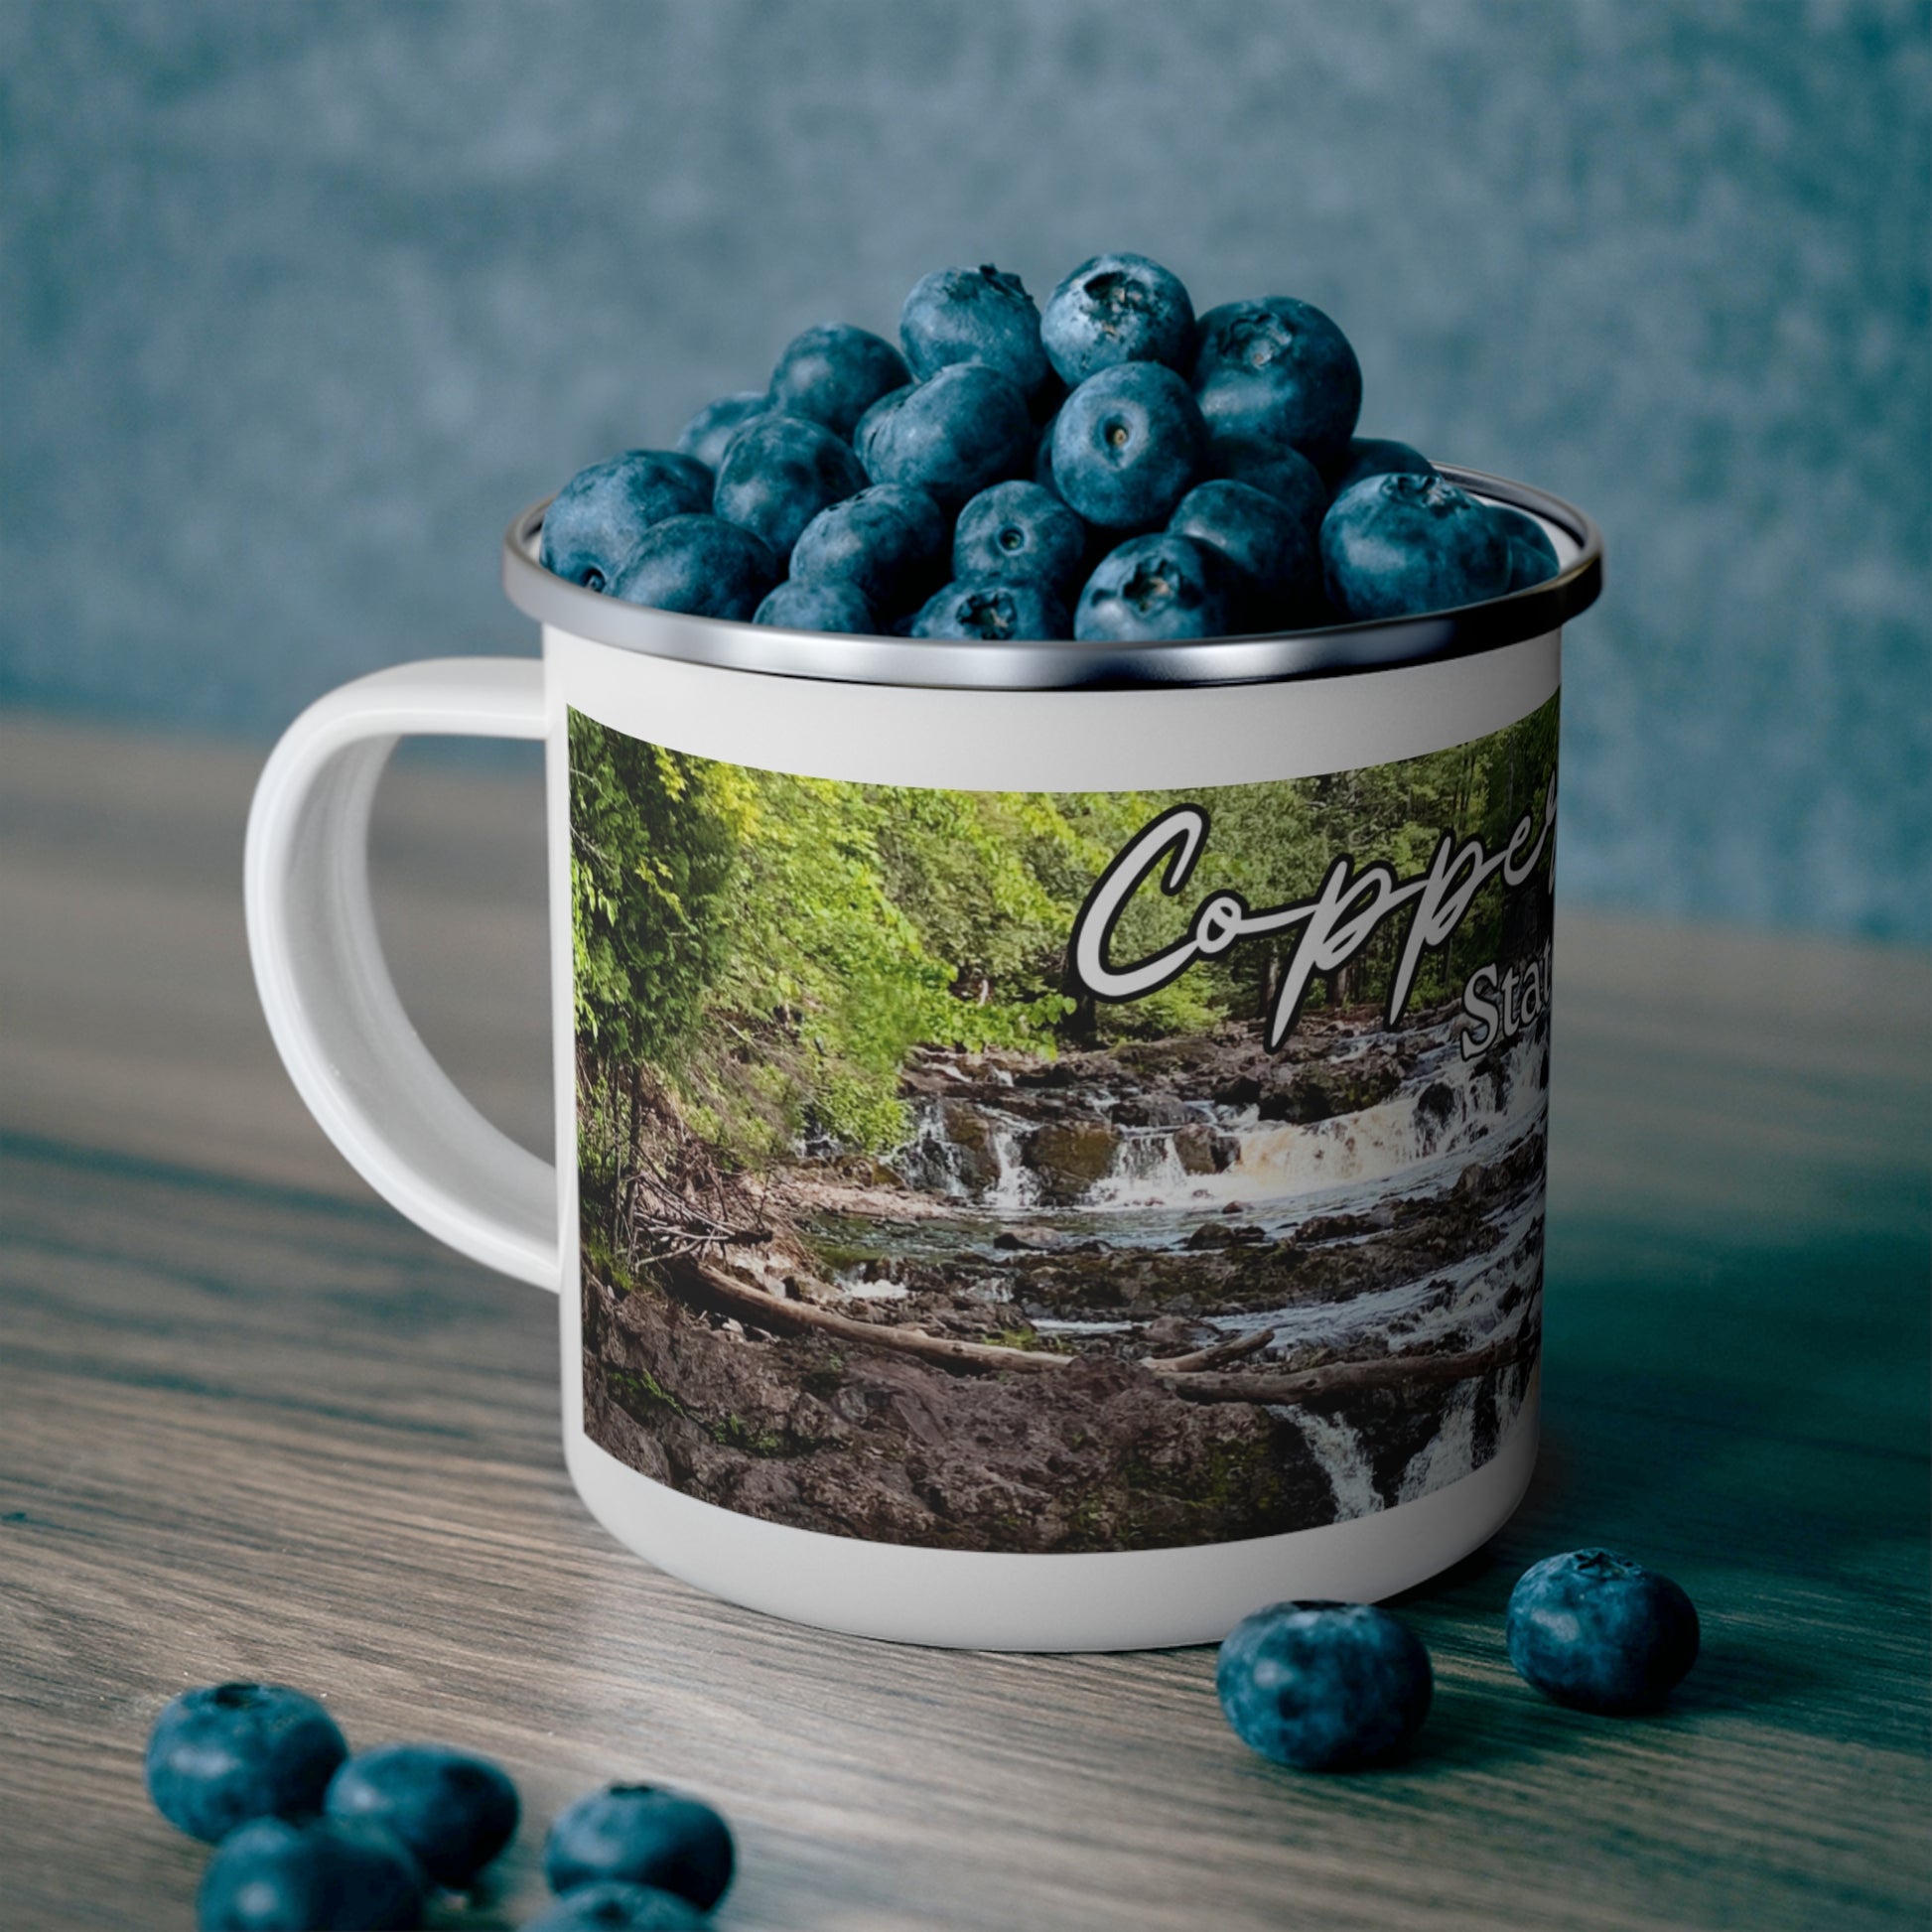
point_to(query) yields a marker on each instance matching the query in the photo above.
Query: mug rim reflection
(946, 664)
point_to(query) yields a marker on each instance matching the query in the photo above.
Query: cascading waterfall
(1447, 1107)
(1016, 1188)
(934, 1163)
(931, 1159)
(1343, 1459)
(1147, 1168)
(1384, 1163)
(1451, 1452)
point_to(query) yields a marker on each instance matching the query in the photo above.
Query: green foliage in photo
(651, 853)
(774, 949)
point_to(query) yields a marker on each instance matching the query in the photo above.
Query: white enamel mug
(1344, 1434)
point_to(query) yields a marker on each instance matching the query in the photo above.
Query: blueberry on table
(1274, 555)
(779, 472)
(452, 1810)
(222, 1755)
(594, 523)
(973, 315)
(1117, 309)
(699, 564)
(643, 1835)
(1532, 556)
(1128, 445)
(993, 610)
(834, 374)
(1601, 1632)
(705, 436)
(1377, 455)
(1400, 545)
(614, 1906)
(888, 543)
(950, 435)
(323, 1874)
(1153, 588)
(1020, 531)
(829, 606)
(1279, 370)
(1323, 1687)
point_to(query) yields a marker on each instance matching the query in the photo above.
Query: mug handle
(325, 986)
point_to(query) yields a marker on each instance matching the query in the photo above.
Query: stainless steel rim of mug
(932, 663)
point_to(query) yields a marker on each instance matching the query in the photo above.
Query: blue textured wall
(299, 303)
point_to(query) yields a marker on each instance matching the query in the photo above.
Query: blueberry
(453, 1812)
(323, 1874)
(1377, 455)
(1279, 372)
(950, 436)
(1532, 556)
(227, 1752)
(779, 472)
(973, 315)
(1128, 444)
(1397, 545)
(594, 523)
(1283, 473)
(1601, 1632)
(818, 607)
(1273, 553)
(1020, 531)
(1323, 1687)
(705, 436)
(888, 543)
(649, 1837)
(869, 424)
(1152, 588)
(700, 564)
(613, 1906)
(993, 610)
(1044, 402)
(834, 374)
(1044, 456)
(1117, 309)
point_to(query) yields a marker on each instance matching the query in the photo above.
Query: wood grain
(253, 1423)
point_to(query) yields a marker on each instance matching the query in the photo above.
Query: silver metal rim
(945, 665)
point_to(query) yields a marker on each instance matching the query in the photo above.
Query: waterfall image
(890, 1227)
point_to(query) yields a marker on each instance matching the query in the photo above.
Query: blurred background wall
(300, 302)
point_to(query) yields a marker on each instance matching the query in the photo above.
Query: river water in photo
(1181, 1186)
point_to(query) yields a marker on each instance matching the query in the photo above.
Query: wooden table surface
(254, 1424)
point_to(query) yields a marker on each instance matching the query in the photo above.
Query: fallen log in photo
(753, 1305)
(1354, 1378)
(1213, 1357)
(1196, 1377)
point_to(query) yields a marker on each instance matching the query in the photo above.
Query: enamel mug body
(1049, 1137)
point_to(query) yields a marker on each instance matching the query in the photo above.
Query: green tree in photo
(650, 857)
(845, 968)
(774, 949)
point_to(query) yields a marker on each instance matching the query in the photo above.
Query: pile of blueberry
(1332, 1687)
(312, 1839)
(1110, 469)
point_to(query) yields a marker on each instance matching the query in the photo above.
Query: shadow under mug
(1086, 1318)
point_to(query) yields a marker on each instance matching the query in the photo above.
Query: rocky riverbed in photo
(1360, 1196)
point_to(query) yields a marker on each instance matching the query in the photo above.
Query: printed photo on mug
(1046, 1171)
